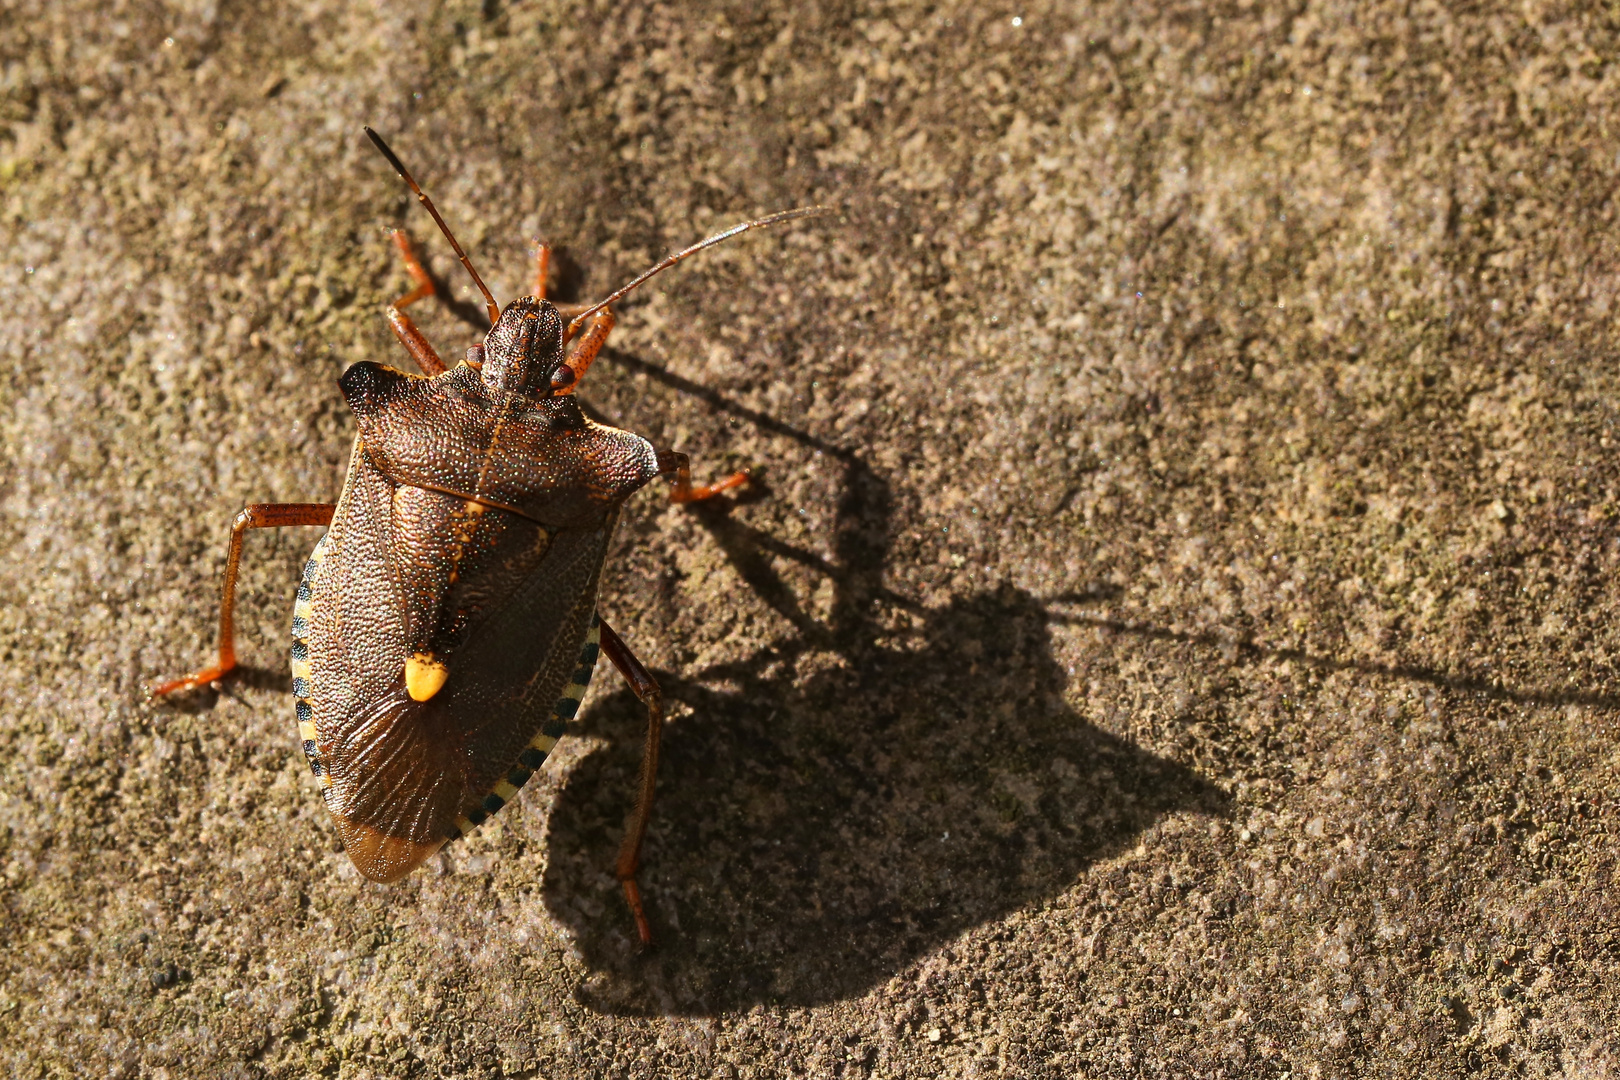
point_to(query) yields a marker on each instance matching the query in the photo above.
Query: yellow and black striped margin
(535, 753)
(301, 674)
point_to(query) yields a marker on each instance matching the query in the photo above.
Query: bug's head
(524, 348)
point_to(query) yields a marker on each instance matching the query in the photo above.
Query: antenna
(772, 219)
(494, 308)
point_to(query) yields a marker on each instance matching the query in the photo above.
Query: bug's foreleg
(404, 329)
(671, 462)
(255, 516)
(646, 688)
(542, 269)
(582, 352)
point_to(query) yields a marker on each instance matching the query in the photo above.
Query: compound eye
(562, 378)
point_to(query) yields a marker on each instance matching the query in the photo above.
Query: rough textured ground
(1175, 631)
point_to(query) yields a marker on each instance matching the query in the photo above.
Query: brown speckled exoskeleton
(446, 629)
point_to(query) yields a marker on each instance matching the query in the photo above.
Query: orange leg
(582, 353)
(683, 491)
(256, 516)
(646, 688)
(409, 336)
(542, 269)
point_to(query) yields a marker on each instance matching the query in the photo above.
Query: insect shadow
(854, 797)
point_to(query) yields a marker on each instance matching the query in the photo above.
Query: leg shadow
(808, 845)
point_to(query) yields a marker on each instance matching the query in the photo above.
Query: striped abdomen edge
(300, 671)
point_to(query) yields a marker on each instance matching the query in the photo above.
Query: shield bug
(445, 629)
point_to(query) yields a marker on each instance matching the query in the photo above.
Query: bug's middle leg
(254, 516)
(409, 336)
(646, 688)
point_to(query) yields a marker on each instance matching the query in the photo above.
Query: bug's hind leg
(404, 329)
(255, 516)
(646, 688)
(683, 490)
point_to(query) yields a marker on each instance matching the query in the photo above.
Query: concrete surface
(1174, 633)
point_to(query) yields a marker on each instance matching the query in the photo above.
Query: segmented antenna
(772, 219)
(494, 308)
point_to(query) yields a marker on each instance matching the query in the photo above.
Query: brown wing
(355, 632)
(401, 772)
(456, 560)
